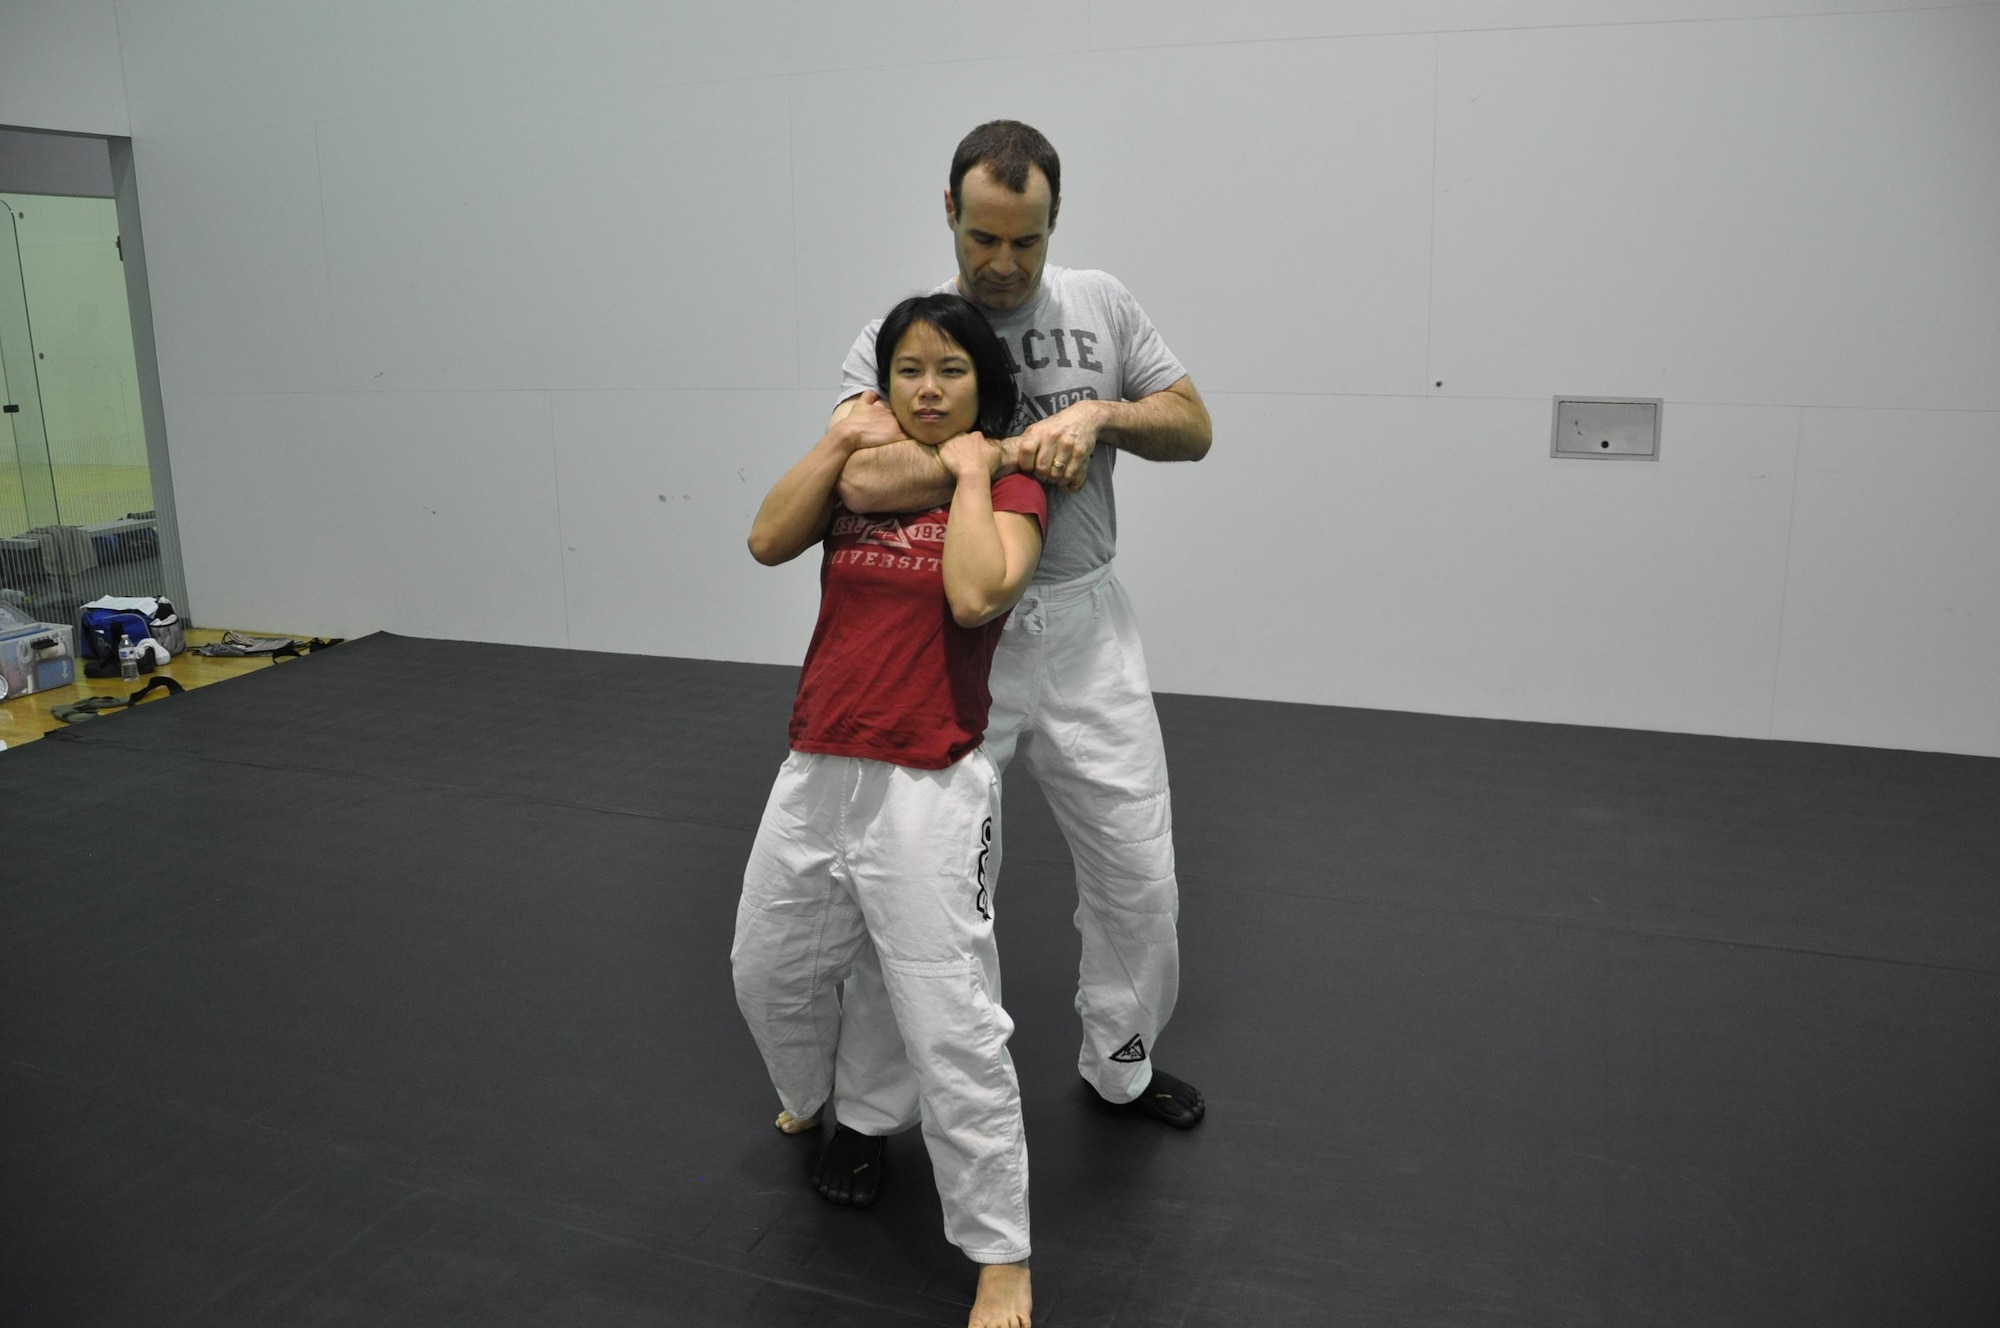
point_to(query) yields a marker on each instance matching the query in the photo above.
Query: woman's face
(933, 391)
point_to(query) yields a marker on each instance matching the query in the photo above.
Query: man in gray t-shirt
(1071, 696)
(1081, 338)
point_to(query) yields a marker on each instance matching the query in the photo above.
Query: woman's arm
(799, 507)
(989, 557)
(897, 475)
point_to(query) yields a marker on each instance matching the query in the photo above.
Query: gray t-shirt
(1082, 337)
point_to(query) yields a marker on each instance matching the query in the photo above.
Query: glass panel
(82, 496)
(27, 485)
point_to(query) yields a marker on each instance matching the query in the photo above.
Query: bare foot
(791, 1124)
(1004, 1300)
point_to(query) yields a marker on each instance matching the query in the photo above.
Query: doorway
(79, 518)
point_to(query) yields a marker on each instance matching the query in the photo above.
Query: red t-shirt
(889, 676)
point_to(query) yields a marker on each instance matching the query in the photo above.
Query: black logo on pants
(1131, 1053)
(985, 847)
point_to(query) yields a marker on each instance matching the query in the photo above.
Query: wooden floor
(26, 718)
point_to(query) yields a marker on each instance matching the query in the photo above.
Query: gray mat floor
(390, 986)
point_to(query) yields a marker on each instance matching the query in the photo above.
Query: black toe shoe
(849, 1170)
(1175, 1101)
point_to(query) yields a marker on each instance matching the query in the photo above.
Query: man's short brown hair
(1006, 148)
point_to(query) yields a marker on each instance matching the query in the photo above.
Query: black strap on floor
(98, 705)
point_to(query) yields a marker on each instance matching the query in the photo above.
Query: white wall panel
(637, 240)
(1450, 15)
(869, 189)
(467, 506)
(658, 492)
(1796, 212)
(229, 63)
(1892, 616)
(902, 33)
(276, 513)
(251, 62)
(59, 67)
(669, 221)
(431, 514)
(1194, 22)
(236, 260)
(1429, 555)
(1270, 208)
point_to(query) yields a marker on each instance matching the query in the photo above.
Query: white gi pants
(1072, 698)
(864, 866)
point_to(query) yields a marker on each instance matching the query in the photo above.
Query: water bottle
(128, 659)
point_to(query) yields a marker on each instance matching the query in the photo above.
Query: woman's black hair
(960, 321)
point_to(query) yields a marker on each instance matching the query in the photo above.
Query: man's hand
(868, 422)
(970, 454)
(1057, 450)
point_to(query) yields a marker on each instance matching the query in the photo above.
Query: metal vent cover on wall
(1606, 428)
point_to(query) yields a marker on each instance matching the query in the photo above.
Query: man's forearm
(1169, 425)
(900, 477)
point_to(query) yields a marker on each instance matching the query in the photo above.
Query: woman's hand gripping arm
(989, 557)
(799, 507)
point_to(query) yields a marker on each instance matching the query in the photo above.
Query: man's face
(1001, 237)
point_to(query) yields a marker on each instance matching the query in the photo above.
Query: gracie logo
(986, 846)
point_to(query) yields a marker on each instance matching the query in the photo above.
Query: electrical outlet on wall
(1607, 428)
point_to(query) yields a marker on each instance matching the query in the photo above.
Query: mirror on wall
(77, 517)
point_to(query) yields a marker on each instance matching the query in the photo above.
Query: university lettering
(890, 561)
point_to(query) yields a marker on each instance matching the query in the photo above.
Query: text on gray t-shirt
(1082, 337)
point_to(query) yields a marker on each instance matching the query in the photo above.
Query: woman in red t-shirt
(880, 843)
